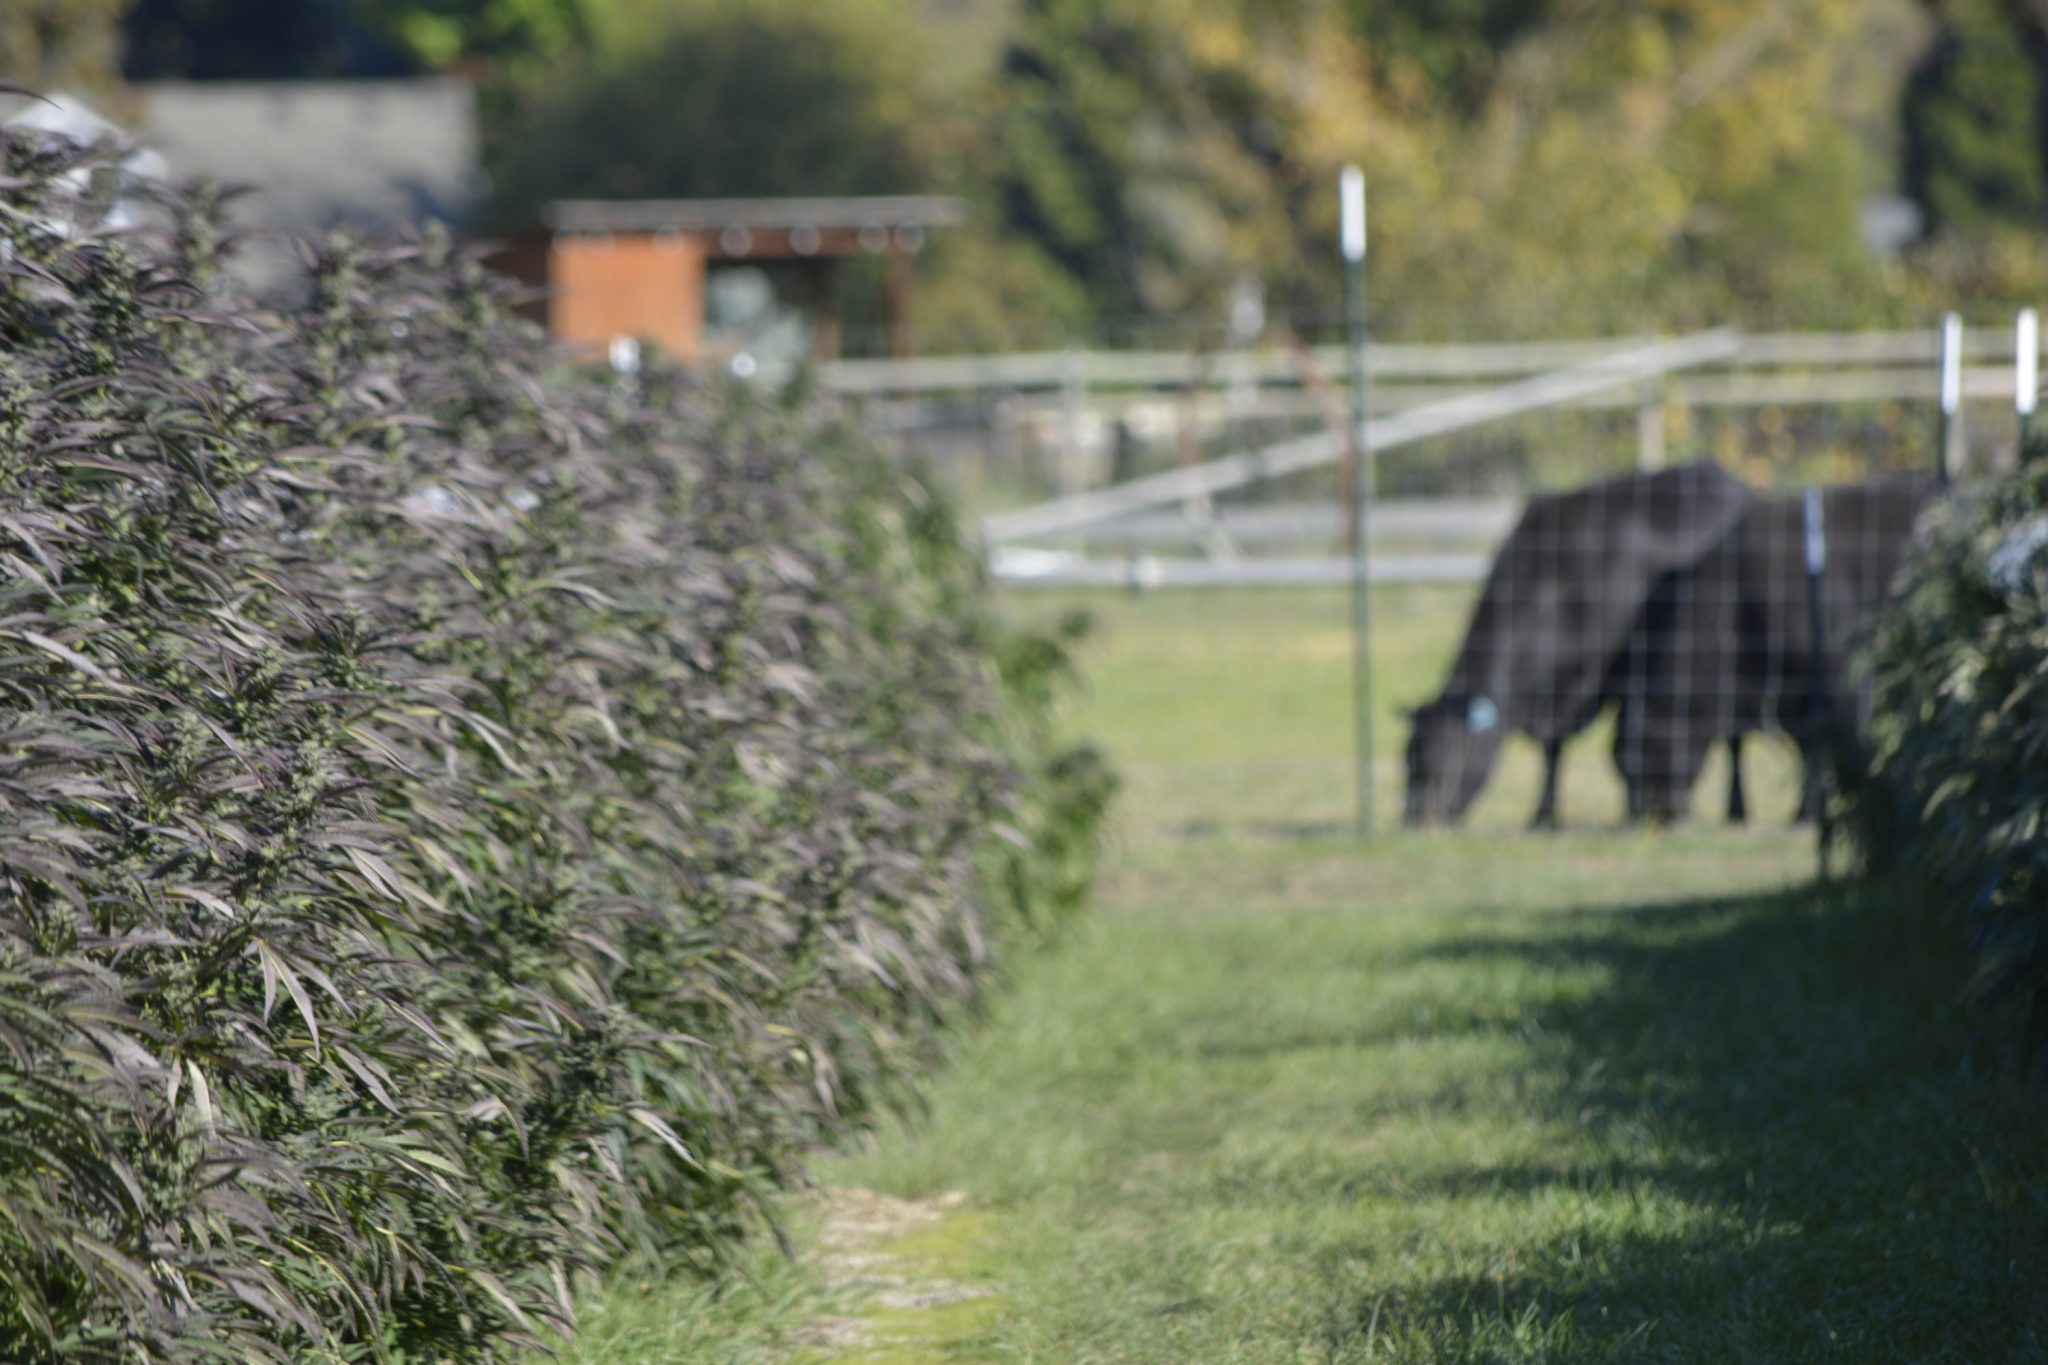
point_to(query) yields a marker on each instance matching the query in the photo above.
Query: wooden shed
(637, 268)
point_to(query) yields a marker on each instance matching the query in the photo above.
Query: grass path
(1313, 1106)
(1653, 1101)
(1474, 1097)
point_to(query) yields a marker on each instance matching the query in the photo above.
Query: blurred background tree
(1537, 166)
(1155, 150)
(439, 34)
(61, 44)
(1973, 137)
(211, 40)
(729, 98)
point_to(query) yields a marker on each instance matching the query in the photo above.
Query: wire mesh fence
(1577, 606)
(1230, 712)
(1017, 429)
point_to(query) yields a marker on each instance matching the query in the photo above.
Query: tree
(766, 97)
(1159, 153)
(1452, 46)
(437, 34)
(300, 39)
(61, 44)
(1535, 166)
(1974, 148)
(204, 40)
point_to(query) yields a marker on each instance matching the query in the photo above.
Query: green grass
(746, 1317)
(1481, 1096)
(1300, 1103)
(1230, 714)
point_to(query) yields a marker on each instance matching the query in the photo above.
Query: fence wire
(1229, 708)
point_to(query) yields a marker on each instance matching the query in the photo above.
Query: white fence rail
(1024, 567)
(1608, 370)
(1061, 413)
(1053, 370)
(1990, 348)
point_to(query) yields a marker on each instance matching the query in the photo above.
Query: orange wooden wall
(644, 285)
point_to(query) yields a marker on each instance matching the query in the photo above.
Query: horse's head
(1452, 743)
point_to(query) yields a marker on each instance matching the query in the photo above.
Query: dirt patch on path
(901, 1268)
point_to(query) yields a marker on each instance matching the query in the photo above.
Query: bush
(462, 821)
(1958, 787)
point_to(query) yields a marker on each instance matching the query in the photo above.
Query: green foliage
(265, 40)
(437, 33)
(1973, 139)
(1160, 153)
(1535, 166)
(61, 44)
(771, 97)
(460, 821)
(1958, 789)
(1455, 46)
(203, 40)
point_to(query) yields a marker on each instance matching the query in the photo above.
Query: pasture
(1229, 715)
(1471, 1096)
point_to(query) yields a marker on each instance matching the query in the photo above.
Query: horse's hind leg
(1546, 809)
(1738, 806)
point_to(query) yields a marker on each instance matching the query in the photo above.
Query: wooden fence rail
(1607, 371)
(1053, 371)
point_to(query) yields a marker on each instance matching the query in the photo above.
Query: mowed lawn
(1480, 1096)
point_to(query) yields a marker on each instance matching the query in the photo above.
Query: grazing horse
(1738, 656)
(1572, 582)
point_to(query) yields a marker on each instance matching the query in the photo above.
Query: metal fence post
(1819, 717)
(1351, 194)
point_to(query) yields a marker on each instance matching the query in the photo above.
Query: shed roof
(715, 215)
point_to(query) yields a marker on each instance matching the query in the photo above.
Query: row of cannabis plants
(1956, 796)
(463, 822)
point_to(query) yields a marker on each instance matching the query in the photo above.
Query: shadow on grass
(1803, 1166)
